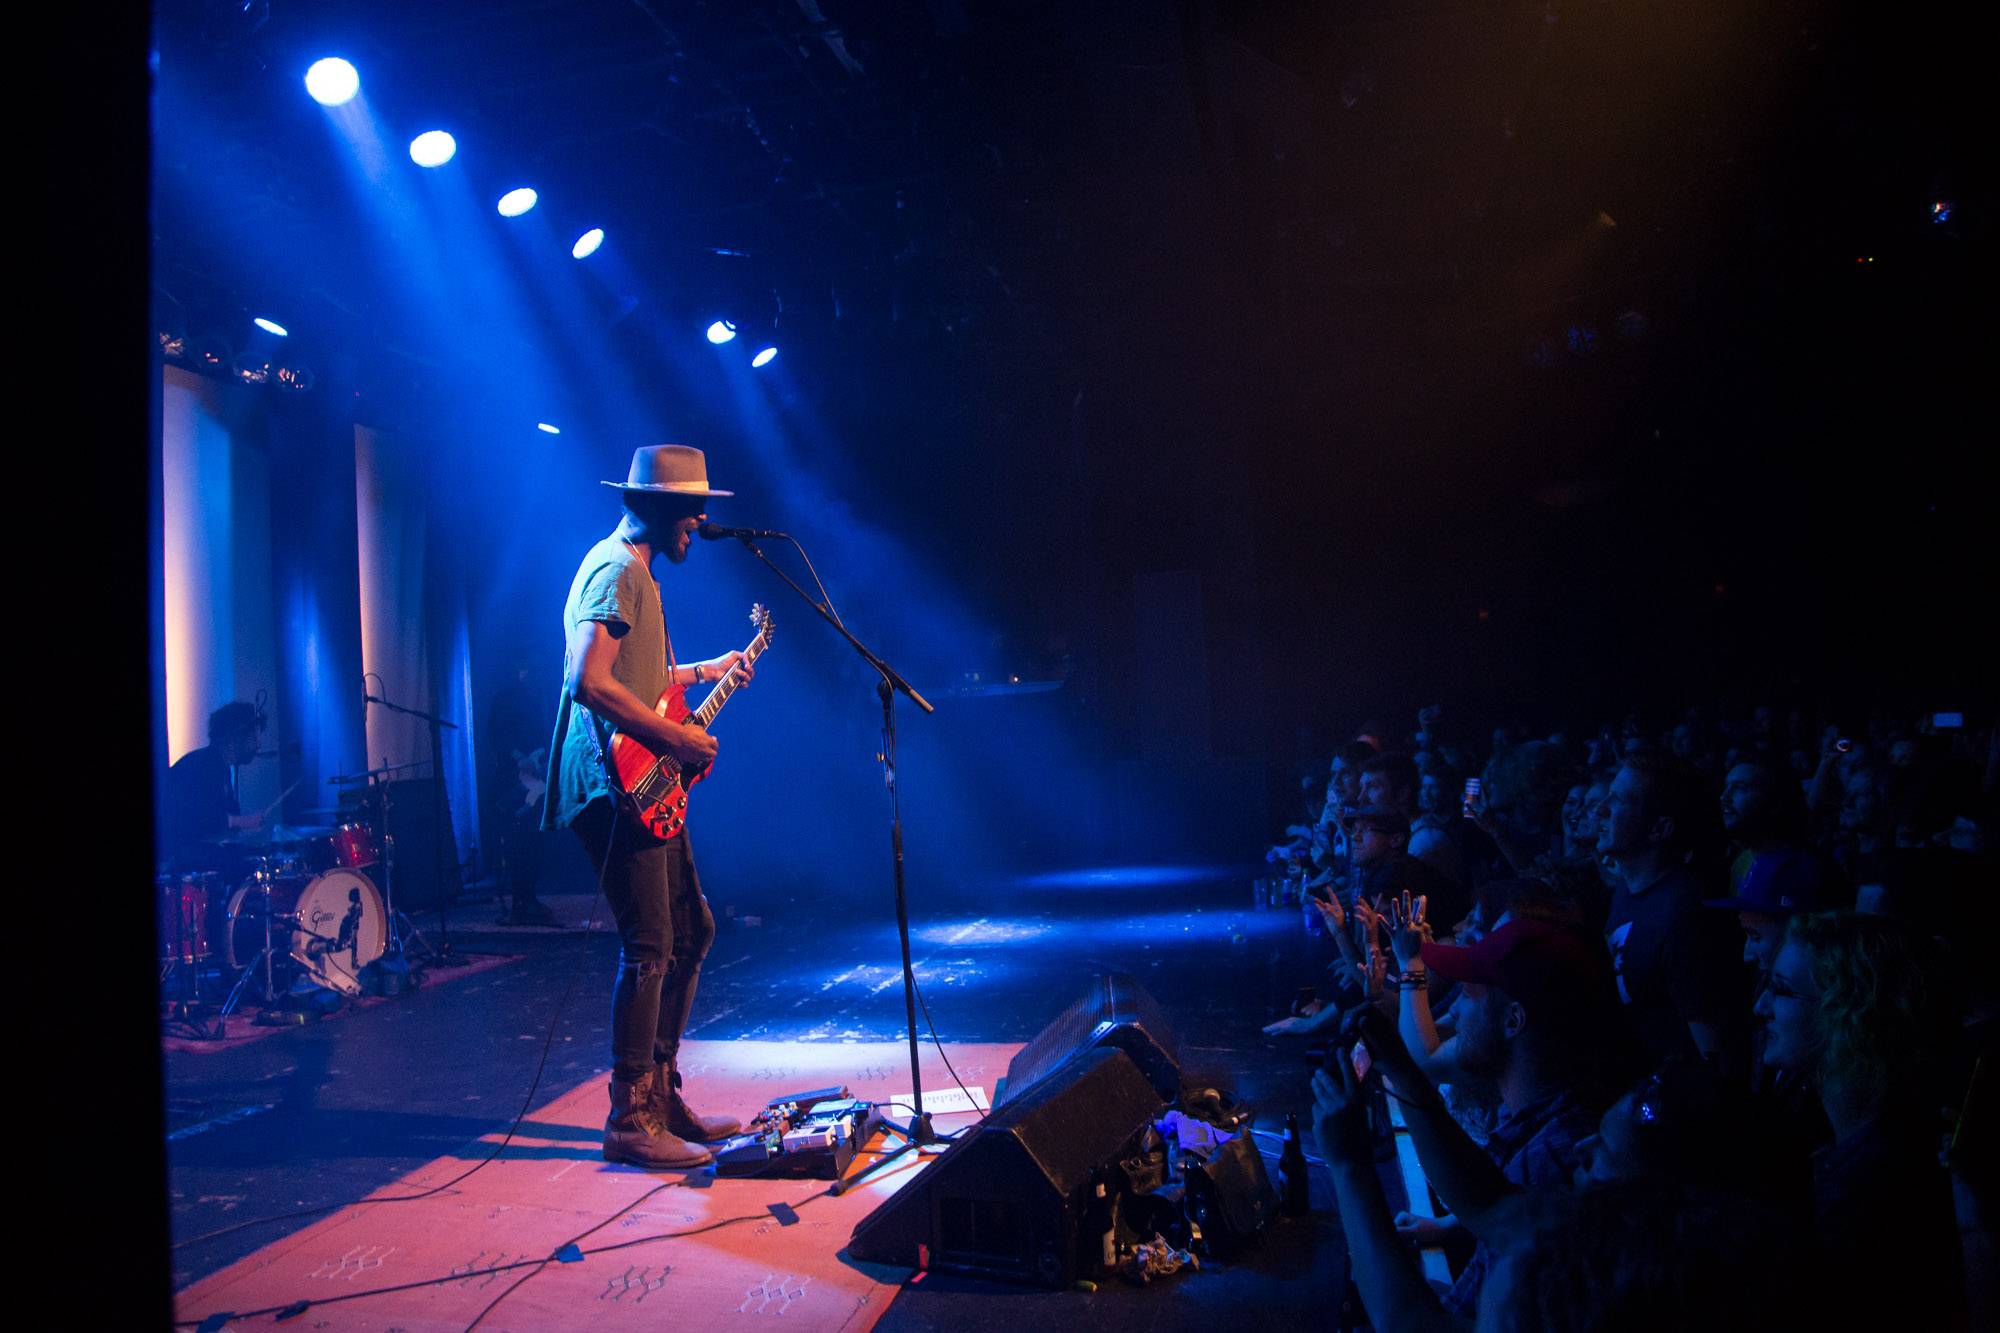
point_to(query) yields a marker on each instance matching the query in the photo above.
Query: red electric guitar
(658, 784)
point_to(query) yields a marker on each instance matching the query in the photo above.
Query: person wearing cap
(1533, 994)
(618, 661)
(199, 806)
(1528, 1018)
(1781, 883)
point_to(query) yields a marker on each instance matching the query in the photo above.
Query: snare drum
(183, 903)
(354, 846)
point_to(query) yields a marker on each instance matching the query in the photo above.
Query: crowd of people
(1687, 1027)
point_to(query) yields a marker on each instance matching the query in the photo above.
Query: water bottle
(1294, 1190)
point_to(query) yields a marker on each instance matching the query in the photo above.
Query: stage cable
(222, 1317)
(825, 597)
(541, 1066)
(939, 1043)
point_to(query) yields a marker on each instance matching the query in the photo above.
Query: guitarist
(617, 661)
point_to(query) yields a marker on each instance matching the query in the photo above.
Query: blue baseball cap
(1780, 883)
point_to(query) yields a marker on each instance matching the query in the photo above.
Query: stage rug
(551, 1186)
(240, 1029)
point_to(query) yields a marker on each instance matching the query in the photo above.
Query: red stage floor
(551, 1185)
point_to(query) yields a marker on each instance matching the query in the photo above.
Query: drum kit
(308, 914)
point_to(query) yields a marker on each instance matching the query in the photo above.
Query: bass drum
(332, 926)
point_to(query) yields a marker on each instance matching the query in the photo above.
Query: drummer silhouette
(200, 803)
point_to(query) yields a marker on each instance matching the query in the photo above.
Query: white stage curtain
(414, 641)
(214, 567)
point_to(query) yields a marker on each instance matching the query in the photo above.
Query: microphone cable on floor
(534, 1085)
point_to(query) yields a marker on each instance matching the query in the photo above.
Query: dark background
(1374, 316)
(1254, 370)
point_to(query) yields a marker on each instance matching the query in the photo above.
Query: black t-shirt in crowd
(1676, 963)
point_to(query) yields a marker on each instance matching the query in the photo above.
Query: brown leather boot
(680, 1118)
(637, 1134)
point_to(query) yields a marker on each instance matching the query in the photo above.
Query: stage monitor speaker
(1007, 1200)
(1115, 1011)
(415, 822)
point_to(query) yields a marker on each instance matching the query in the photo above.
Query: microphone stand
(917, 1132)
(443, 956)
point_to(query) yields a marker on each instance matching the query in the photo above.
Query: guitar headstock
(760, 616)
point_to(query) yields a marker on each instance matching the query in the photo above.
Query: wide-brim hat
(668, 469)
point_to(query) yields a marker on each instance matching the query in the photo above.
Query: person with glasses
(1856, 1008)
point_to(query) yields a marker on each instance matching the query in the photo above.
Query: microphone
(710, 532)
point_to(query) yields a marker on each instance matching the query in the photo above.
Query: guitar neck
(719, 696)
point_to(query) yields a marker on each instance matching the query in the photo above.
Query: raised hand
(1368, 921)
(1377, 973)
(1340, 1114)
(1408, 931)
(1476, 810)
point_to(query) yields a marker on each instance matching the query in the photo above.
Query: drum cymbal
(283, 833)
(355, 779)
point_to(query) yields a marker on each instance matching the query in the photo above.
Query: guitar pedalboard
(812, 1133)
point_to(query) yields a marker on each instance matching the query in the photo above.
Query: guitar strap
(626, 803)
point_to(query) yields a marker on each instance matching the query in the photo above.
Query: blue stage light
(332, 82)
(270, 327)
(586, 244)
(721, 332)
(1941, 211)
(432, 148)
(516, 202)
(765, 357)
(547, 429)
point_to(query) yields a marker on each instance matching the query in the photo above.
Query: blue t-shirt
(613, 588)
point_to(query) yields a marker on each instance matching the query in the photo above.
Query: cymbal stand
(263, 877)
(401, 928)
(442, 956)
(179, 971)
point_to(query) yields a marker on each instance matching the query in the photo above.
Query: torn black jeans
(664, 931)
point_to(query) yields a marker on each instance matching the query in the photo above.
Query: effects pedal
(801, 1134)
